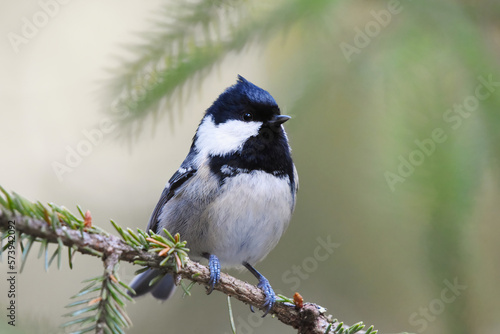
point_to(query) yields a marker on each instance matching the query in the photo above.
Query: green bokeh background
(355, 118)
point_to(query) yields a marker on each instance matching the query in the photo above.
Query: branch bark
(310, 318)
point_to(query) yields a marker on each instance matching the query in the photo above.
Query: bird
(234, 194)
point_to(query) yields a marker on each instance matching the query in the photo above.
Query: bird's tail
(162, 289)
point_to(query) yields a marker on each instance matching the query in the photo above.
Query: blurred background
(395, 108)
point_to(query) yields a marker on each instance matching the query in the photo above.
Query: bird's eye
(248, 116)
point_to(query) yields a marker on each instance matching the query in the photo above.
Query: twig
(311, 318)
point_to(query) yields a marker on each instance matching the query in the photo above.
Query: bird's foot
(214, 266)
(268, 292)
(270, 296)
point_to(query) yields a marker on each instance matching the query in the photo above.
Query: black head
(242, 132)
(246, 102)
(242, 113)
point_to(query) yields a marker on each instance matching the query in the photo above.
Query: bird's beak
(279, 119)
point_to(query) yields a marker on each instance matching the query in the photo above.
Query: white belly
(249, 220)
(242, 223)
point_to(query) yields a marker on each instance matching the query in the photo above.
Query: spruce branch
(186, 41)
(37, 223)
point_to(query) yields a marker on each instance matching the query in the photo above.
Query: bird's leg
(214, 266)
(265, 287)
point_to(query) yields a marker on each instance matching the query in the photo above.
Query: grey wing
(176, 181)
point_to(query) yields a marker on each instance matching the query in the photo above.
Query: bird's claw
(270, 296)
(214, 266)
(269, 293)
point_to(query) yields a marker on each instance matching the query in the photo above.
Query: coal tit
(234, 194)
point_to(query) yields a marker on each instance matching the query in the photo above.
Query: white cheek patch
(226, 137)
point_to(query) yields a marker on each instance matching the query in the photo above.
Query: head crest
(254, 93)
(235, 99)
